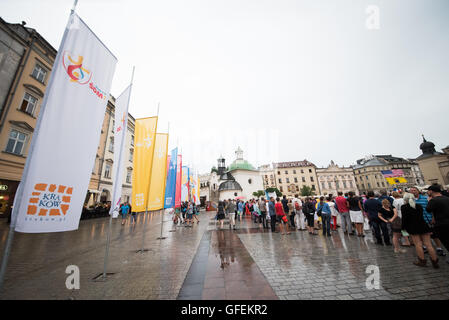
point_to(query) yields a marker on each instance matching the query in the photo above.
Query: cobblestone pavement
(248, 263)
(302, 266)
(37, 264)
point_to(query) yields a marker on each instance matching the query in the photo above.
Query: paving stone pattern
(302, 266)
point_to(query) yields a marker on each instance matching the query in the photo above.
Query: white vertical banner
(120, 129)
(59, 167)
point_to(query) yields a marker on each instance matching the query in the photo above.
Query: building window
(350, 184)
(280, 189)
(286, 172)
(132, 141)
(280, 180)
(128, 176)
(383, 184)
(310, 170)
(296, 179)
(323, 185)
(303, 179)
(345, 185)
(288, 180)
(378, 184)
(28, 104)
(16, 142)
(297, 188)
(131, 155)
(369, 185)
(330, 185)
(355, 178)
(337, 185)
(279, 172)
(111, 145)
(250, 181)
(302, 171)
(39, 73)
(294, 171)
(311, 179)
(107, 171)
(313, 187)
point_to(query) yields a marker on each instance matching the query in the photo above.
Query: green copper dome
(241, 164)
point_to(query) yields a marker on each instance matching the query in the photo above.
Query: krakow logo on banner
(64, 145)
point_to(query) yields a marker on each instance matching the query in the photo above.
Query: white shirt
(397, 203)
(332, 207)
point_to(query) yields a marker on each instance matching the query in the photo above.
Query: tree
(306, 191)
(259, 193)
(270, 190)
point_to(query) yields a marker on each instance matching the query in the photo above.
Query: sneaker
(441, 252)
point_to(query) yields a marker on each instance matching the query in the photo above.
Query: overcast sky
(285, 79)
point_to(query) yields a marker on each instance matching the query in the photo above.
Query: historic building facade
(291, 176)
(434, 165)
(239, 180)
(26, 61)
(368, 175)
(334, 178)
(268, 178)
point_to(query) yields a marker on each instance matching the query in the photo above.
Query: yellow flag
(396, 180)
(144, 142)
(158, 173)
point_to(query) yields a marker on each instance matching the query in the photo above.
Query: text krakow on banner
(66, 142)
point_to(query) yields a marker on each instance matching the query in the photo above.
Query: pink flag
(178, 182)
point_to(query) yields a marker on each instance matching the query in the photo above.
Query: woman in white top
(397, 203)
(334, 212)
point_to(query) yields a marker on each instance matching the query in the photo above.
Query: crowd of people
(400, 219)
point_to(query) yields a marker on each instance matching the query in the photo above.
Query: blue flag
(170, 186)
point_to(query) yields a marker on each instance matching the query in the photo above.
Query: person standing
(389, 215)
(284, 202)
(324, 211)
(438, 206)
(263, 212)
(413, 222)
(343, 209)
(299, 214)
(334, 212)
(221, 213)
(281, 217)
(256, 212)
(309, 211)
(398, 202)
(272, 213)
(230, 209)
(428, 218)
(373, 206)
(291, 213)
(189, 210)
(355, 211)
(125, 211)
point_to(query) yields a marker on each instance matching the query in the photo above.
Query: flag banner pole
(19, 192)
(118, 172)
(163, 210)
(149, 187)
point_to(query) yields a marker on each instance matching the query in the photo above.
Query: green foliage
(259, 193)
(306, 191)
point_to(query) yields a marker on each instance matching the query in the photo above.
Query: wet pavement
(205, 263)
